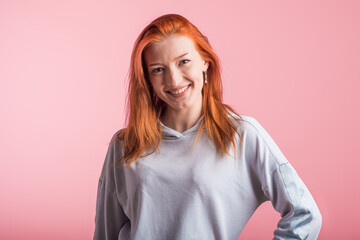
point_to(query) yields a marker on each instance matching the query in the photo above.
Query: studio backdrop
(293, 65)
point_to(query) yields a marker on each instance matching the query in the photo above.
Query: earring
(205, 77)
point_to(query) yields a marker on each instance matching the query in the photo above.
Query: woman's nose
(173, 78)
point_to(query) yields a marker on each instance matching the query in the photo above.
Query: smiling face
(175, 69)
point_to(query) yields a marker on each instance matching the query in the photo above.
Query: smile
(180, 90)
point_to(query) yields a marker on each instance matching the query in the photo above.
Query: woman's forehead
(170, 47)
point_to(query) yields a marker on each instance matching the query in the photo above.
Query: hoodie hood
(169, 133)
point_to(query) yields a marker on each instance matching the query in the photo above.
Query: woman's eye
(155, 70)
(184, 61)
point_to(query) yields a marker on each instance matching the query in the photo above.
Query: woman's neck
(182, 120)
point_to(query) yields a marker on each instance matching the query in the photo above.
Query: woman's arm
(110, 216)
(300, 216)
(280, 183)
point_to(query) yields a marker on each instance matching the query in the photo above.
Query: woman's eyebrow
(181, 56)
(153, 64)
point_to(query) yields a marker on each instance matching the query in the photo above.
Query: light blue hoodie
(184, 193)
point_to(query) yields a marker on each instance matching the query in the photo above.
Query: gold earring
(205, 77)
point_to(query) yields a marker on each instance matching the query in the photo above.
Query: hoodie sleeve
(109, 217)
(300, 216)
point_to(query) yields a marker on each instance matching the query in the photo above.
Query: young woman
(187, 166)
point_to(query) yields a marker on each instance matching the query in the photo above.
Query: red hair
(144, 108)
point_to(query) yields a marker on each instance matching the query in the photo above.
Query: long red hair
(143, 131)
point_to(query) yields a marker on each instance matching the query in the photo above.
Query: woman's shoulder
(113, 155)
(117, 138)
(115, 148)
(255, 136)
(249, 125)
(246, 123)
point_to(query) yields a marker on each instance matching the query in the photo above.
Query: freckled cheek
(193, 75)
(197, 78)
(156, 85)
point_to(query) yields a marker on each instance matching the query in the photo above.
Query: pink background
(293, 65)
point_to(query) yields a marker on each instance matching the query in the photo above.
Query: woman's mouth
(180, 92)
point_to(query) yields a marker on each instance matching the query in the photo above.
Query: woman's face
(175, 70)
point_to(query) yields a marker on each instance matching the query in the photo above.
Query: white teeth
(180, 91)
